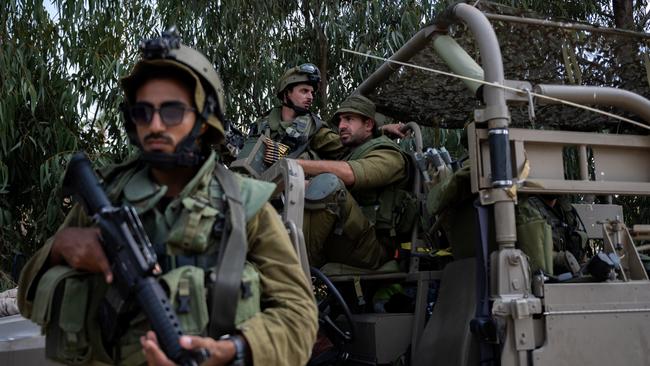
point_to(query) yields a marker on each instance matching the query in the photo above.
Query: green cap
(358, 104)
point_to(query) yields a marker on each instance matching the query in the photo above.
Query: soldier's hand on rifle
(80, 248)
(221, 352)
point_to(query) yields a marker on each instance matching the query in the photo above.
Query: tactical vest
(565, 225)
(543, 231)
(187, 236)
(392, 209)
(297, 135)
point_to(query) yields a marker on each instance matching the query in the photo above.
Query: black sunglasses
(171, 113)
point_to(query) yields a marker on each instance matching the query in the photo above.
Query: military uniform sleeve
(379, 168)
(38, 264)
(327, 144)
(284, 332)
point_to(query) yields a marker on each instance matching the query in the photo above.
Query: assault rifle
(131, 257)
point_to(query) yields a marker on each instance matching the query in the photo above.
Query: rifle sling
(224, 292)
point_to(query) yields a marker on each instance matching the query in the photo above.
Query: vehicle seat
(334, 269)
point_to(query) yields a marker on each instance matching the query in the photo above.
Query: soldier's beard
(352, 140)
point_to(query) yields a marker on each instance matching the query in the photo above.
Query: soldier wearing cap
(191, 208)
(352, 207)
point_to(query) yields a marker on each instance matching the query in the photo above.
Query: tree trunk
(625, 51)
(623, 14)
(312, 22)
(323, 46)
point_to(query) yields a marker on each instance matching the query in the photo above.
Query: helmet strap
(299, 110)
(187, 154)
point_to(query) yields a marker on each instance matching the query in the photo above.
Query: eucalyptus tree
(61, 63)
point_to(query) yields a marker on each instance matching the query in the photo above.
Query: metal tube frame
(496, 110)
(597, 95)
(414, 45)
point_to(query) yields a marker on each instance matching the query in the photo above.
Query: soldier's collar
(142, 192)
(202, 178)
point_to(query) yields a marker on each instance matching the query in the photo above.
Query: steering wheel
(325, 311)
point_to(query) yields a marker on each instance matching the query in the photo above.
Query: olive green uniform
(285, 319)
(369, 211)
(544, 233)
(323, 143)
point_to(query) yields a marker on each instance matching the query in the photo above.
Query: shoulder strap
(381, 142)
(115, 177)
(109, 172)
(318, 123)
(272, 122)
(224, 291)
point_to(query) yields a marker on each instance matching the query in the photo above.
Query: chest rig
(203, 228)
(565, 225)
(297, 135)
(391, 209)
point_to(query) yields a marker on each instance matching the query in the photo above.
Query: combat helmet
(302, 74)
(167, 54)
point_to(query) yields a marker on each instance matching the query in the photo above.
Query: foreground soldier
(173, 113)
(293, 124)
(354, 209)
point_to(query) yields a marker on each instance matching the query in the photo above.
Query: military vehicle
(490, 308)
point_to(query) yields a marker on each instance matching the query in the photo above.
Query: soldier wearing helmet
(292, 123)
(193, 210)
(357, 210)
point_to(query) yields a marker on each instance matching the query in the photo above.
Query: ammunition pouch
(251, 158)
(67, 301)
(63, 305)
(579, 240)
(186, 288)
(535, 239)
(395, 212)
(294, 137)
(191, 232)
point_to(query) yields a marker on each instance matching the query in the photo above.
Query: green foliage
(61, 68)
(253, 43)
(59, 90)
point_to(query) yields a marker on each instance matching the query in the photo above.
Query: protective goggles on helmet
(171, 113)
(311, 70)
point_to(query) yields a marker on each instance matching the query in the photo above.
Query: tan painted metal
(290, 185)
(641, 232)
(617, 239)
(543, 152)
(593, 216)
(595, 324)
(253, 164)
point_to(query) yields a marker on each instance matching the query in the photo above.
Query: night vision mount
(160, 47)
